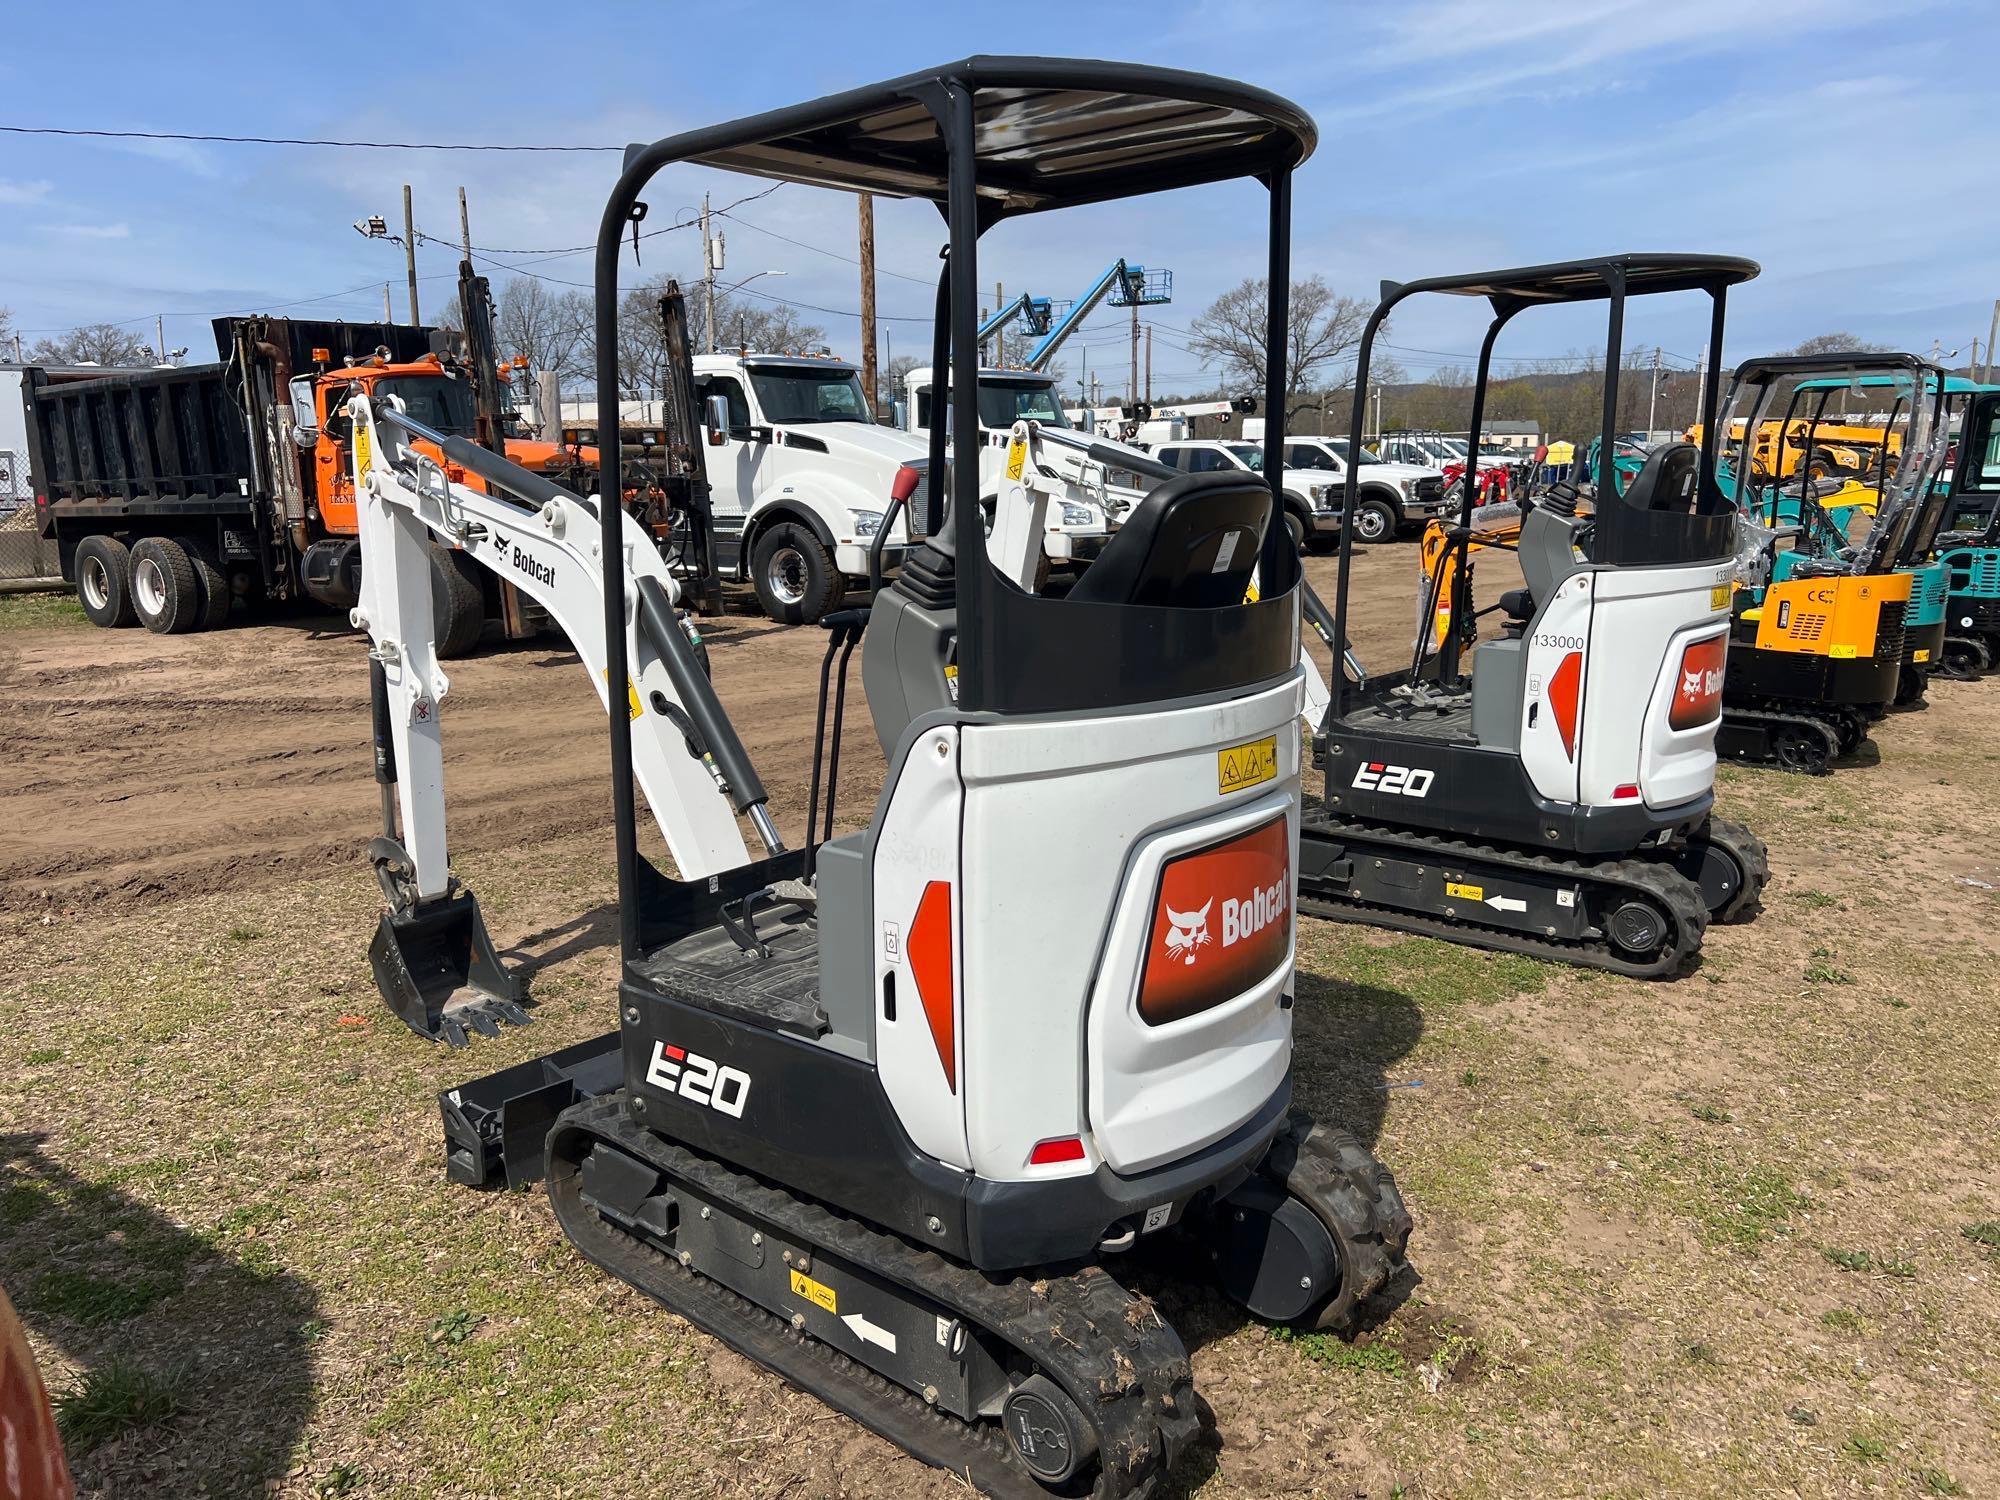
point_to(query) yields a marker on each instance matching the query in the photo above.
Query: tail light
(1698, 693)
(1055, 1152)
(1222, 921)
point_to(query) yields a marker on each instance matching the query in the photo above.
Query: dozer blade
(438, 971)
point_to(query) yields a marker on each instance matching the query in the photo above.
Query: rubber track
(1356, 1197)
(1661, 883)
(1771, 716)
(1107, 1347)
(1751, 855)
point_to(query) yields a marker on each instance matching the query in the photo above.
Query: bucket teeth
(438, 971)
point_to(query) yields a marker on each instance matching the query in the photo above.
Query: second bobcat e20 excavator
(883, 1111)
(1558, 801)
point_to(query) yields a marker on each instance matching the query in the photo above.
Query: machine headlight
(1409, 489)
(866, 522)
(1319, 493)
(1077, 515)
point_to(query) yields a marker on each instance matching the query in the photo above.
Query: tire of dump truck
(104, 581)
(458, 605)
(212, 585)
(164, 589)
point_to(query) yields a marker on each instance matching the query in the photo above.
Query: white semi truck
(1089, 492)
(799, 479)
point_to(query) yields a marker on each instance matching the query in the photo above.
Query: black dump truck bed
(166, 441)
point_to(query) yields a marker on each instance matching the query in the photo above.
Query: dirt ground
(1732, 1235)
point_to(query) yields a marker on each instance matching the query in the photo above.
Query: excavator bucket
(438, 971)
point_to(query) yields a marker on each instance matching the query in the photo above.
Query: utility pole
(1653, 393)
(410, 253)
(464, 226)
(388, 314)
(709, 264)
(1992, 335)
(868, 374)
(1000, 333)
(1133, 393)
(160, 328)
(1701, 392)
(1149, 364)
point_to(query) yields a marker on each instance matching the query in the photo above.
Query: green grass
(1865, 1448)
(1868, 1262)
(1337, 1354)
(1708, 1114)
(40, 611)
(1985, 1233)
(96, 1301)
(117, 1397)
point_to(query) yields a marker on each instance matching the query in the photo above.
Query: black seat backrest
(1666, 480)
(1190, 544)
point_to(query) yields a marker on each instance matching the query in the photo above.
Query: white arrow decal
(868, 1332)
(1506, 903)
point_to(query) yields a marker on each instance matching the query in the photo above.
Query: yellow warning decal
(1718, 597)
(1248, 765)
(1465, 892)
(364, 449)
(1842, 653)
(1922, 653)
(1017, 456)
(633, 710)
(818, 1293)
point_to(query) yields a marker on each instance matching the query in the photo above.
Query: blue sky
(1837, 142)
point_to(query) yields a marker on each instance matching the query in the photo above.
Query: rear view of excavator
(1970, 548)
(886, 1110)
(1818, 635)
(1557, 799)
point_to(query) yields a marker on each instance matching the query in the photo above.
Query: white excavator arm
(551, 552)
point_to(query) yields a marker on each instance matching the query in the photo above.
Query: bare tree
(552, 327)
(6, 334)
(1835, 343)
(892, 377)
(94, 344)
(1322, 329)
(742, 322)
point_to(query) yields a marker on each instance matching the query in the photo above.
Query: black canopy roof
(1587, 280)
(1050, 132)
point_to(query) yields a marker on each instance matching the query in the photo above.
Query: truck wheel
(1042, 569)
(794, 574)
(1296, 525)
(164, 590)
(1374, 521)
(104, 581)
(458, 607)
(212, 586)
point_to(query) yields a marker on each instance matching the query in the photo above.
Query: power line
(649, 234)
(818, 249)
(278, 140)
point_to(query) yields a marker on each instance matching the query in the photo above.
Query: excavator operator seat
(1666, 480)
(1190, 544)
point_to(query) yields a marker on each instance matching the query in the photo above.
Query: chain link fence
(23, 554)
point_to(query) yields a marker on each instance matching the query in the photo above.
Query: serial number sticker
(1718, 597)
(818, 1293)
(1922, 653)
(1248, 765)
(1017, 457)
(1842, 653)
(1465, 892)
(633, 710)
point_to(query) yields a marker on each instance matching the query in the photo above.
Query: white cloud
(118, 231)
(20, 193)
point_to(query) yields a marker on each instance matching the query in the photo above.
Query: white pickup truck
(1389, 495)
(800, 480)
(1091, 496)
(1312, 501)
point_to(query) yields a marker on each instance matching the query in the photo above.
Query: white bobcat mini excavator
(1557, 800)
(884, 1111)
